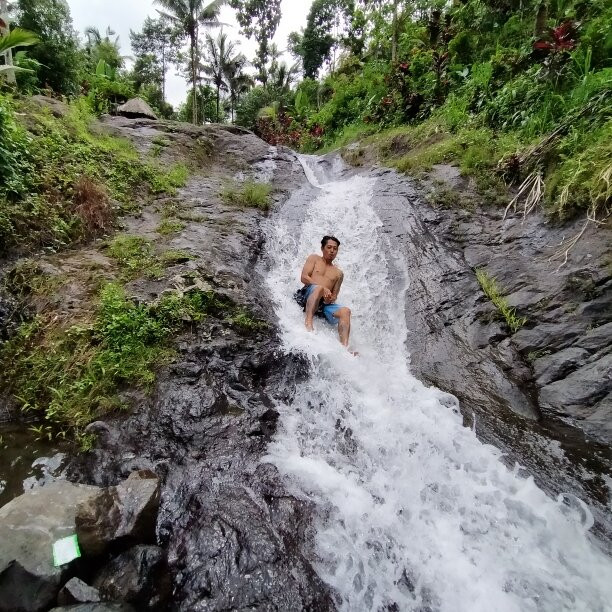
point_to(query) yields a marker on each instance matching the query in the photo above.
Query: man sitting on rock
(322, 281)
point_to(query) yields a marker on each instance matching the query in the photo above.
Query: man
(322, 280)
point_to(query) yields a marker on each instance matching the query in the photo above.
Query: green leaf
(17, 38)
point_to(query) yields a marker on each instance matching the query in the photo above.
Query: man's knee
(344, 313)
(317, 291)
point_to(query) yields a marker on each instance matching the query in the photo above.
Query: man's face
(330, 250)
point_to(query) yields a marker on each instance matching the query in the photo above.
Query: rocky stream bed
(225, 534)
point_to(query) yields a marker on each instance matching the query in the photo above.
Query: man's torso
(324, 274)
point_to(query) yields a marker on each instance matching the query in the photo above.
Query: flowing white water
(413, 512)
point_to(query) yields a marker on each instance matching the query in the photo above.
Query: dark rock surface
(234, 538)
(125, 512)
(96, 607)
(138, 576)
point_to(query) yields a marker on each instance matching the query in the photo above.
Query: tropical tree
(188, 16)
(238, 81)
(219, 54)
(105, 48)
(155, 47)
(57, 53)
(259, 19)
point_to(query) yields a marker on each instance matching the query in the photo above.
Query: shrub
(42, 192)
(249, 193)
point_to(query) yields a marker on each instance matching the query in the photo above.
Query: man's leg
(312, 304)
(344, 324)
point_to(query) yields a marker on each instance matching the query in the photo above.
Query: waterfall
(413, 512)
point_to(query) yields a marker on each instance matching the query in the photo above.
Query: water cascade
(413, 512)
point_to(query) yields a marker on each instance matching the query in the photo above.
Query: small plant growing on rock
(172, 257)
(250, 193)
(170, 226)
(135, 255)
(492, 291)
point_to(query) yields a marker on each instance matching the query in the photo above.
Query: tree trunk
(194, 108)
(541, 19)
(8, 55)
(218, 96)
(394, 33)
(163, 73)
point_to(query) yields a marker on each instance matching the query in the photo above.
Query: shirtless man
(323, 280)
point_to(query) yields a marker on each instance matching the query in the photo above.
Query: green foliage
(249, 106)
(259, 19)
(174, 256)
(134, 254)
(16, 38)
(469, 88)
(68, 376)
(492, 291)
(244, 322)
(40, 168)
(170, 226)
(207, 105)
(57, 54)
(250, 193)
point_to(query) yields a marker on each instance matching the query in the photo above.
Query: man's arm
(336, 287)
(308, 269)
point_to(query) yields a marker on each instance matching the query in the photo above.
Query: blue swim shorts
(328, 309)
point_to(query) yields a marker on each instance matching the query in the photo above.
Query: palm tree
(188, 16)
(237, 80)
(219, 55)
(103, 47)
(283, 76)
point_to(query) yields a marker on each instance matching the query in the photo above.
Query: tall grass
(492, 290)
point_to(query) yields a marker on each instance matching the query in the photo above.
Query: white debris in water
(414, 513)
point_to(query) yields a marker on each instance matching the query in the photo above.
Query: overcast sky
(123, 15)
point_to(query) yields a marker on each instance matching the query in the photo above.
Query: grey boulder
(127, 511)
(76, 591)
(29, 524)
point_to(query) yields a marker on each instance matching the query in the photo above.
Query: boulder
(553, 367)
(76, 591)
(138, 576)
(127, 511)
(29, 524)
(136, 108)
(579, 393)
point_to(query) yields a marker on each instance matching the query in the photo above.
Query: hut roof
(136, 107)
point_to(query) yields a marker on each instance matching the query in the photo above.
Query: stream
(413, 512)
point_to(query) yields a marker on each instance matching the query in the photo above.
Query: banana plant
(15, 38)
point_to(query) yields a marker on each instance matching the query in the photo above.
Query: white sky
(123, 15)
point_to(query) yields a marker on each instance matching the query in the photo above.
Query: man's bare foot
(309, 326)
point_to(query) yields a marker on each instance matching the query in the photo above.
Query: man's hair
(326, 238)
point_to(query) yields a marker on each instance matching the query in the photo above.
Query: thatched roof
(136, 107)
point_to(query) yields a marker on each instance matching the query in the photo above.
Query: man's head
(329, 248)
